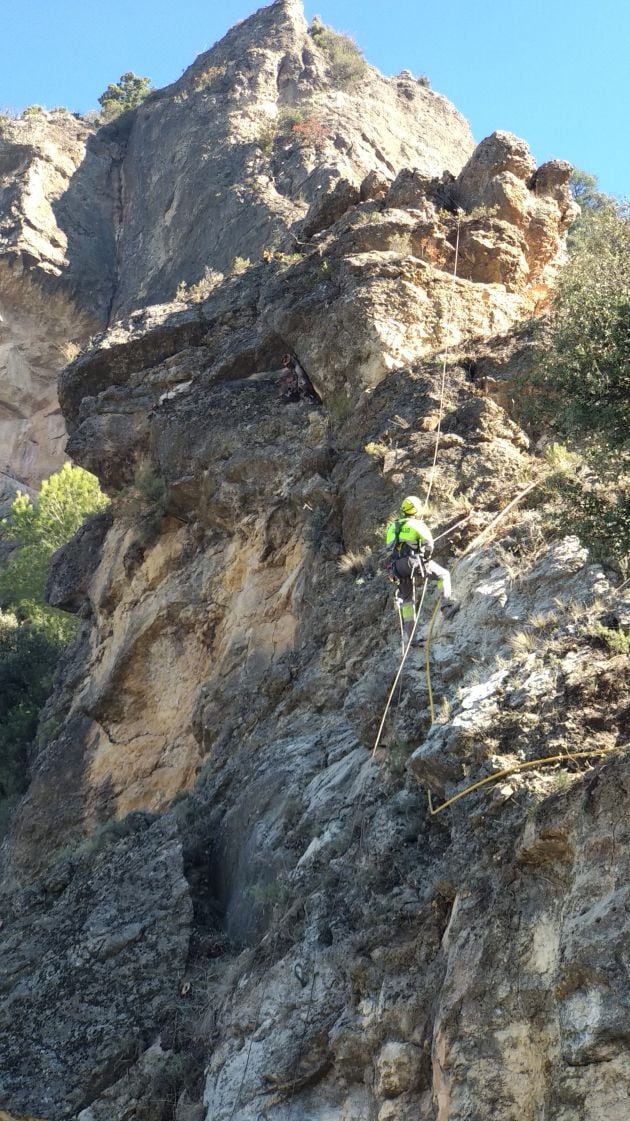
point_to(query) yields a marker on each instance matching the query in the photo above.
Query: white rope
(444, 360)
(400, 669)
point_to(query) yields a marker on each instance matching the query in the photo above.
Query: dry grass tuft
(353, 564)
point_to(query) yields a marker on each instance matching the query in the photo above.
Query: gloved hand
(427, 550)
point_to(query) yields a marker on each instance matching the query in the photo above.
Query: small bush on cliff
(346, 64)
(587, 367)
(240, 265)
(146, 498)
(585, 191)
(32, 635)
(288, 117)
(581, 388)
(310, 133)
(28, 656)
(125, 94)
(38, 529)
(195, 293)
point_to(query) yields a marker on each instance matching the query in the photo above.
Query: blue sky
(553, 71)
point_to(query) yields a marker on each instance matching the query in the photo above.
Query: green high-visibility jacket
(411, 531)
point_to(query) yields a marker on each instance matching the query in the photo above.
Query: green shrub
(125, 94)
(339, 406)
(396, 758)
(29, 652)
(585, 371)
(346, 63)
(580, 388)
(585, 191)
(208, 76)
(288, 117)
(32, 635)
(590, 497)
(400, 243)
(195, 293)
(616, 641)
(483, 212)
(147, 497)
(33, 111)
(38, 529)
(274, 893)
(267, 137)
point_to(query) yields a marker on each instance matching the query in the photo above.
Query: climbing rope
(447, 347)
(518, 767)
(469, 549)
(431, 475)
(452, 528)
(400, 669)
(398, 607)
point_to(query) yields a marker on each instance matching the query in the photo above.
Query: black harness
(405, 550)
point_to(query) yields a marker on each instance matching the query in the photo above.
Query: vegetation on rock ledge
(345, 61)
(129, 92)
(32, 635)
(582, 385)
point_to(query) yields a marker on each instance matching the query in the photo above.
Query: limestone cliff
(205, 171)
(218, 903)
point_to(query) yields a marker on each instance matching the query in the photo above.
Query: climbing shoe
(450, 607)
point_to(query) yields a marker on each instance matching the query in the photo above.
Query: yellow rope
(518, 767)
(467, 550)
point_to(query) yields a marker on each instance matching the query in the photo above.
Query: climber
(296, 384)
(410, 560)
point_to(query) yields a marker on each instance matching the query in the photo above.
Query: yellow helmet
(411, 506)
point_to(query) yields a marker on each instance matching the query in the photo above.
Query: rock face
(107, 916)
(256, 130)
(259, 127)
(57, 274)
(218, 900)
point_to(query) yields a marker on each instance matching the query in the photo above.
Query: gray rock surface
(57, 274)
(218, 899)
(72, 567)
(89, 965)
(101, 224)
(240, 178)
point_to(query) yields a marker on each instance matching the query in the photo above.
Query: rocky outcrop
(35, 330)
(501, 181)
(390, 258)
(218, 899)
(230, 679)
(57, 275)
(257, 129)
(109, 927)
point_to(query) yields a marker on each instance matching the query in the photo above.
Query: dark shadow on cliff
(89, 213)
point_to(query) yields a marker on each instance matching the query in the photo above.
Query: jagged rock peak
(103, 222)
(257, 127)
(279, 27)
